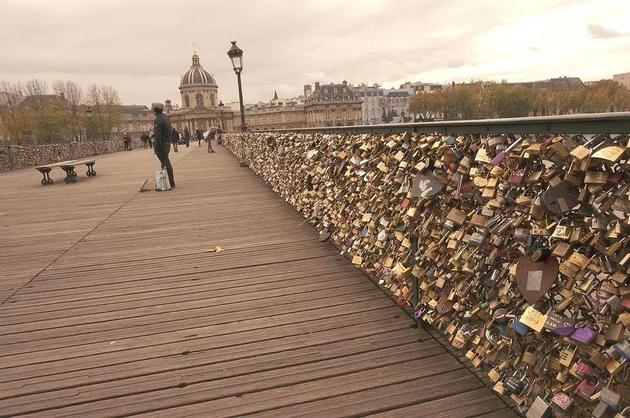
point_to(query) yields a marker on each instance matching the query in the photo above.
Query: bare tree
(73, 94)
(11, 94)
(36, 87)
(106, 111)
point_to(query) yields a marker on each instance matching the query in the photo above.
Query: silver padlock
(539, 409)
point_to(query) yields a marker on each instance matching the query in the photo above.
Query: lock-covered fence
(510, 236)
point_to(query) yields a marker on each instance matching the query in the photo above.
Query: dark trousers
(162, 155)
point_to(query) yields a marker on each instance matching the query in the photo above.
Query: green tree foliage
(463, 101)
(49, 123)
(506, 101)
(502, 100)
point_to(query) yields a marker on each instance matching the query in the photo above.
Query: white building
(381, 105)
(623, 78)
(419, 87)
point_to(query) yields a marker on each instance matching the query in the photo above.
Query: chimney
(316, 85)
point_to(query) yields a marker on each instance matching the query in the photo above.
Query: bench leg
(71, 175)
(90, 170)
(46, 180)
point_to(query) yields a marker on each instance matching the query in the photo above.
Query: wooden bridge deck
(112, 305)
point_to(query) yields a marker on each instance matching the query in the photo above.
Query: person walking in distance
(187, 137)
(163, 131)
(220, 136)
(145, 139)
(199, 134)
(210, 138)
(175, 139)
(126, 141)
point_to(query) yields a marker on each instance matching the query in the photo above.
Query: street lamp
(236, 56)
(88, 114)
(221, 105)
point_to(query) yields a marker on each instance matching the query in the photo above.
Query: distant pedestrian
(175, 139)
(151, 136)
(163, 132)
(187, 137)
(220, 136)
(145, 139)
(126, 141)
(210, 137)
(199, 134)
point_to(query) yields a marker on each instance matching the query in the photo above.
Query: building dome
(197, 75)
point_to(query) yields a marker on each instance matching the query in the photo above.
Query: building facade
(422, 88)
(623, 78)
(380, 105)
(331, 105)
(136, 119)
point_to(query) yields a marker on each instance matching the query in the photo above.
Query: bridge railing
(515, 246)
(594, 123)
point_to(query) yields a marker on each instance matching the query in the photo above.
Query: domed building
(197, 87)
(200, 104)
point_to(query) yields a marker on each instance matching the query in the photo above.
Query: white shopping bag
(161, 180)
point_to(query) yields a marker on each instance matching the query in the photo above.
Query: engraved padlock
(562, 230)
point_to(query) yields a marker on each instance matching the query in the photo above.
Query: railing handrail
(587, 123)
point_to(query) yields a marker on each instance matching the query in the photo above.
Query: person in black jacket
(186, 137)
(199, 134)
(175, 139)
(162, 131)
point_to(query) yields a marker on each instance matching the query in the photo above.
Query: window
(186, 101)
(199, 100)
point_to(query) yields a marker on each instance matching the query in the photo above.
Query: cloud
(598, 31)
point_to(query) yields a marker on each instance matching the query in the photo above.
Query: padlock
(539, 409)
(562, 400)
(602, 410)
(516, 382)
(562, 230)
(587, 387)
(529, 356)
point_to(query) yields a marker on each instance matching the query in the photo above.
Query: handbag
(162, 182)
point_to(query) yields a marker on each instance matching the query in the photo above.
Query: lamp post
(236, 56)
(222, 123)
(88, 114)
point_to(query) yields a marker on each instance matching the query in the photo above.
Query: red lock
(584, 369)
(587, 388)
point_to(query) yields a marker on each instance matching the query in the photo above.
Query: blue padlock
(520, 328)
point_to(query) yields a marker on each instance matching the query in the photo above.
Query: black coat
(162, 130)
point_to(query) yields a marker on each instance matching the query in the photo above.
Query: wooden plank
(478, 402)
(115, 306)
(130, 399)
(439, 374)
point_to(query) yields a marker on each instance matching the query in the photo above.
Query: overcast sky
(143, 47)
